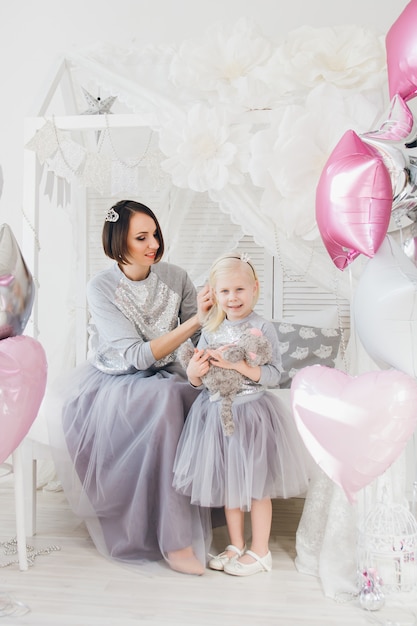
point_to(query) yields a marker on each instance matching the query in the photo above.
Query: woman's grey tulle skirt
(263, 458)
(115, 446)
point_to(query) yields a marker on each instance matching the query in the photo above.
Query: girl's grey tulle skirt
(263, 458)
(115, 442)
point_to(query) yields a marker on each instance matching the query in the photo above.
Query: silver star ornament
(97, 106)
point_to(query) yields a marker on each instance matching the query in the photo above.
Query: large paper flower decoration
(219, 67)
(346, 56)
(287, 158)
(207, 152)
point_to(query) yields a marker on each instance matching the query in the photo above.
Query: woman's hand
(198, 367)
(167, 343)
(204, 303)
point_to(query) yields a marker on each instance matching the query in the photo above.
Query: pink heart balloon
(385, 308)
(353, 200)
(23, 371)
(354, 427)
(401, 47)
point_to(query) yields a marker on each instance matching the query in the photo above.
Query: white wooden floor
(75, 586)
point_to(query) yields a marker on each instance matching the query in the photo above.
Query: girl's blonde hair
(225, 265)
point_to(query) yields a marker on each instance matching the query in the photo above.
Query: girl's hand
(216, 358)
(198, 367)
(204, 303)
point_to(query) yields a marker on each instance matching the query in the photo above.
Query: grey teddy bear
(252, 347)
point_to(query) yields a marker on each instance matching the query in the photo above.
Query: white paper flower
(346, 56)
(287, 158)
(216, 67)
(207, 152)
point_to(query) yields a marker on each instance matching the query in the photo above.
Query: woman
(125, 410)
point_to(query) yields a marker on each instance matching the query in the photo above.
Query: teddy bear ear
(252, 359)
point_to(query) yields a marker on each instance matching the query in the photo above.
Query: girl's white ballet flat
(235, 568)
(218, 562)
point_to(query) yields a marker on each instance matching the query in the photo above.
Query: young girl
(263, 458)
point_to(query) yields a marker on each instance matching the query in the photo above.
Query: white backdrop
(35, 36)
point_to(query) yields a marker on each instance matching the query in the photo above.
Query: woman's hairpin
(111, 215)
(244, 256)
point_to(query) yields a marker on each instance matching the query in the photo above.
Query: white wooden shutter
(302, 301)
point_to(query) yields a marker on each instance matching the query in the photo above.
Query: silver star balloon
(17, 288)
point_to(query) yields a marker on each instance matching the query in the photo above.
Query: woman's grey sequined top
(127, 314)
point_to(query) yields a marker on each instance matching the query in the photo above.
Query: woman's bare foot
(185, 561)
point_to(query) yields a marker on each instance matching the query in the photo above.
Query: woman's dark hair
(114, 235)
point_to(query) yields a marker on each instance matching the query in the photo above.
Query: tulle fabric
(328, 532)
(264, 457)
(114, 450)
(327, 536)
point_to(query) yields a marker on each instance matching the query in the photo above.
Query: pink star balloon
(353, 200)
(401, 47)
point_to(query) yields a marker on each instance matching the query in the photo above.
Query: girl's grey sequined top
(230, 332)
(127, 314)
